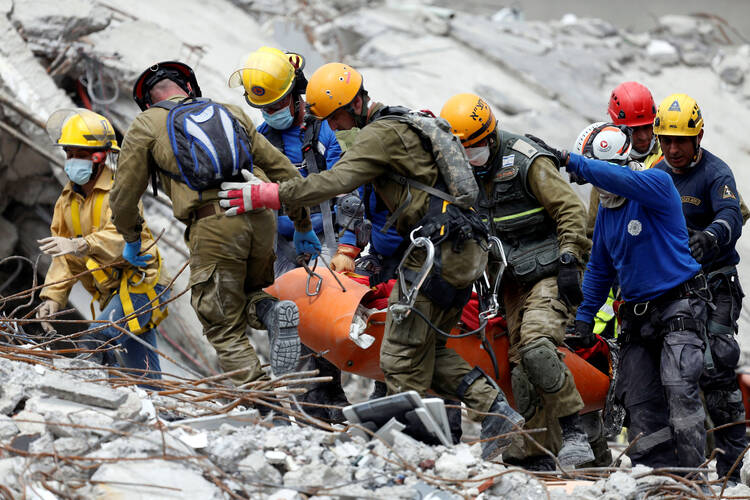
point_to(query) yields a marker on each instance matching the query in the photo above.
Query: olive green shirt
(561, 203)
(146, 144)
(380, 147)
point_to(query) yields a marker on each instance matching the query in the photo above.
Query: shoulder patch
(509, 160)
(506, 173)
(675, 106)
(692, 200)
(524, 148)
(727, 193)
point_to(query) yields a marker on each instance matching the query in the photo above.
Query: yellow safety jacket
(76, 216)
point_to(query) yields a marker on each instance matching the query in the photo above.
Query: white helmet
(605, 141)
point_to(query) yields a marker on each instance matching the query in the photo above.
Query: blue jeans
(134, 355)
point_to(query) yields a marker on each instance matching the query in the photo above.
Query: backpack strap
(275, 138)
(153, 167)
(315, 162)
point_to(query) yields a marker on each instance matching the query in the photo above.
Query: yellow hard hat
(331, 87)
(470, 118)
(81, 128)
(267, 75)
(678, 114)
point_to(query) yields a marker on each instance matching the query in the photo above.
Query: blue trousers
(134, 354)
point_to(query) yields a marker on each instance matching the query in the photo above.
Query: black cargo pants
(719, 382)
(661, 363)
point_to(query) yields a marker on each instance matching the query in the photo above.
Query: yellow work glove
(343, 261)
(47, 309)
(57, 246)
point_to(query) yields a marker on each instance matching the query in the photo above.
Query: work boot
(575, 449)
(379, 390)
(281, 319)
(506, 420)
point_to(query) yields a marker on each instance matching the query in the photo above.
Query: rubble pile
(66, 433)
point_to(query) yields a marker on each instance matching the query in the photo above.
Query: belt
(695, 284)
(202, 212)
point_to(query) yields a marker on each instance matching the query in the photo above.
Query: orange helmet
(332, 86)
(470, 117)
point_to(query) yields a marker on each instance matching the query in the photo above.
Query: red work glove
(241, 197)
(343, 261)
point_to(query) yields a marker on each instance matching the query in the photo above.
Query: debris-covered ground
(66, 432)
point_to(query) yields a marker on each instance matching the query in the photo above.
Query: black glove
(585, 333)
(561, 156)
(569, 280)
(575, 178)
(703, 245)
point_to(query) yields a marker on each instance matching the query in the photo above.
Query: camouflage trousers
(231, 261)
(414, 357)
(532, 313)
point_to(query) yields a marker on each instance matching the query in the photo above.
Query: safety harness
(127, 283)
(314, 160)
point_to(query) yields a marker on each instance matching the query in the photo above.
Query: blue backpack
(210, 145)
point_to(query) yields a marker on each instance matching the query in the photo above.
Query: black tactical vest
(514, 215)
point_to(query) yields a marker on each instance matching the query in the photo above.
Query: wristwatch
(566, 259)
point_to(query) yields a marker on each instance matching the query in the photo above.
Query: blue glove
(307, 242)
(131, 251)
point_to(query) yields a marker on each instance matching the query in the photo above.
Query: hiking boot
(575, 449)
(506, 420)
(322, 395)
(281, 319)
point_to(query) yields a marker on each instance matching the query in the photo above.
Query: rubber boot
(575, 449)
(281, 319)
(506, 420)
(454, 420)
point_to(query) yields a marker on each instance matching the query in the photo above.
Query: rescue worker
(390, 154)
(632, 105)
(274, 82)
(231, 258)
(710, 202)
(541, 222)
(664, 313)
(84, 238)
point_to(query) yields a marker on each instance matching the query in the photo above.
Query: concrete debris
(662, 52)
(87, 394)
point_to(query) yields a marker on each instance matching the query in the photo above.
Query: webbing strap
(654, 439)
(75, 214)
(520, 214)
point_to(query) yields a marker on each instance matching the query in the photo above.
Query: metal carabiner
(493, 306)
(408, 295)
(310, 275)
(143, 277)
(643, 311)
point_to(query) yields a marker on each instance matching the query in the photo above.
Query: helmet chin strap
(639, 156)
(693, 162)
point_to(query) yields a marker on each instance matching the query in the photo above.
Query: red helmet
(631, 104)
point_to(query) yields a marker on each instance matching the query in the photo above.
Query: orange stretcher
(326, 315)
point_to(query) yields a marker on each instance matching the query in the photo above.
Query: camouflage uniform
(412, 355)
(231, 258)
(537, 216)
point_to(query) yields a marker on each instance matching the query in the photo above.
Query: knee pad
(524, 393)
(543, 365)
(725, 406)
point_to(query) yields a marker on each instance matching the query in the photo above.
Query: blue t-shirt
(644, 242)
(329, 147)
(710, 201)
(386, 243)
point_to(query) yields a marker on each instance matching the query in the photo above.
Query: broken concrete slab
(82, 392)
(213, 422)
(70, 419)
(11, 395)
(257, 466)
(51, 20)
(29, 422)
(152, 480)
